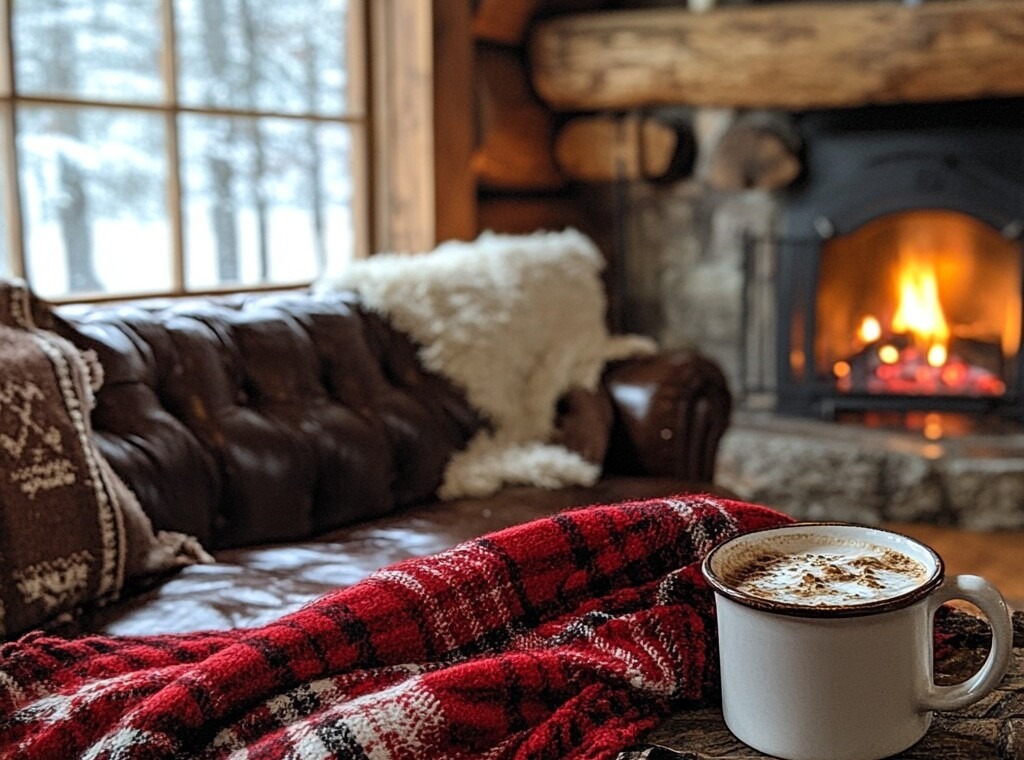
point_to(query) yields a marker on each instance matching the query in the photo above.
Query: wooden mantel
(792, 55)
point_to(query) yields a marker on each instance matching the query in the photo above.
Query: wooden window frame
(359, 118)
(419, 134)
(424, 123)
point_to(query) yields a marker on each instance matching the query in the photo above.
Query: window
(174, 146)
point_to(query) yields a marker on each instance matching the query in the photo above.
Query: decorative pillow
(71, 532)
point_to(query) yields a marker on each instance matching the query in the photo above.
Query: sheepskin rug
(515, 321)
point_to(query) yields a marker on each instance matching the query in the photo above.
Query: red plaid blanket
(564, 637)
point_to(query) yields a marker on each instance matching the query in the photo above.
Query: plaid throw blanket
(566, 637)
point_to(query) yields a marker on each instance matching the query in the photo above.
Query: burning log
(895, 366)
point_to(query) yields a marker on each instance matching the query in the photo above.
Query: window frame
(393, 134)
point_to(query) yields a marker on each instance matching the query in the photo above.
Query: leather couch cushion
(267, 418)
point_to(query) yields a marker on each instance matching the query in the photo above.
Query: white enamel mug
(841, 682)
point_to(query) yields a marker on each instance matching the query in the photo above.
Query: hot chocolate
(833, 573)
(825, 638)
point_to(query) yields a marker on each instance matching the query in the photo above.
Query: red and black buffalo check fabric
(566, 637)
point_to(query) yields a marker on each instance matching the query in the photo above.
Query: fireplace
(882, 285)
(881, 289)
(899, 263)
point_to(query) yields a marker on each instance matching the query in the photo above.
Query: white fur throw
(515, 321)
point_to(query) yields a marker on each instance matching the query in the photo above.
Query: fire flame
(881, 325)
(870, 329)
(919, 312)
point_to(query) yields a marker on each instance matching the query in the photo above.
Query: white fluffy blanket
(515, 321)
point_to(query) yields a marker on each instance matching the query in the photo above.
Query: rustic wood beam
(519, 215)
(503, 22)
(794, 55)
(515, 148)
(606, 148)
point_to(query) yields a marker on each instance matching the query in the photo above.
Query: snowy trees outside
(255, 136)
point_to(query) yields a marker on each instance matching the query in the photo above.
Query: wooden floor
(998, 557)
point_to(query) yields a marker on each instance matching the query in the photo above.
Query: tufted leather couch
(298, 437)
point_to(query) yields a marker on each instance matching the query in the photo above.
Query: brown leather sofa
(298, 437)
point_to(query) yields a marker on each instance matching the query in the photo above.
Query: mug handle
(980, 592)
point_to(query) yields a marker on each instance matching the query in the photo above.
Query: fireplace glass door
(919, 303)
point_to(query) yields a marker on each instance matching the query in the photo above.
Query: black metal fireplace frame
(865, 164)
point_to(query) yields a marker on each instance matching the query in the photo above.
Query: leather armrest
(671, 411)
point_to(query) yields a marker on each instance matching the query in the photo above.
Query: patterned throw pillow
(71, 532)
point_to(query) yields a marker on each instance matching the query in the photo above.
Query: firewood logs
(606, 148)
(758, 151)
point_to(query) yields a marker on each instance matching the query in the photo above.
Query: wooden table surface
(992, 729)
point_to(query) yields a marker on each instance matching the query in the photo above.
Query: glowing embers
(912, 354)
(900, 367)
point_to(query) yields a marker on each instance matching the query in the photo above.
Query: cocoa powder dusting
(828, 578)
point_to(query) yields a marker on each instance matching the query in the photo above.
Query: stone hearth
(832, 471)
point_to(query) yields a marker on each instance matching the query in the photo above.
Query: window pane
(264, 55)
(265, 200)
(95, 49)
(93, 187)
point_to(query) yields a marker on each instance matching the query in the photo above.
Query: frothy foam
(833, 573)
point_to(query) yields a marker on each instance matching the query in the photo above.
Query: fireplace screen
(917, 303)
